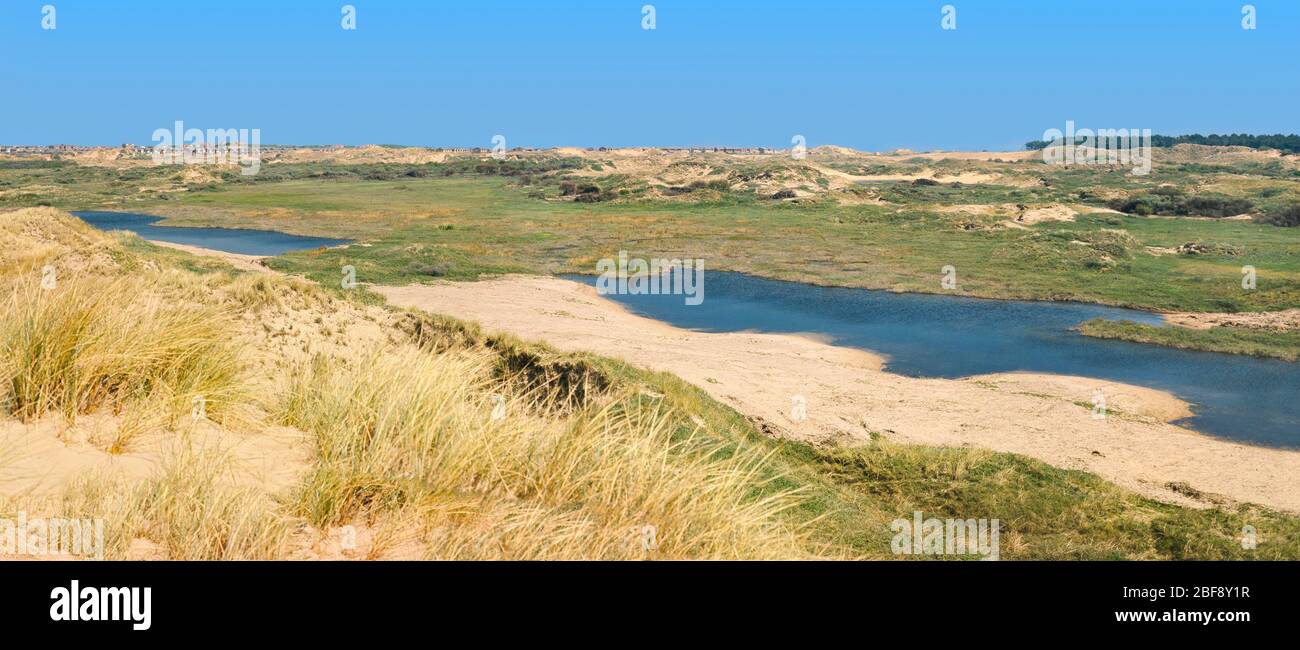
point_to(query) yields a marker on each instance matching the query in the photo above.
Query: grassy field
(464, 227)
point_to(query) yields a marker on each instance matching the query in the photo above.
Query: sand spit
(849, 397)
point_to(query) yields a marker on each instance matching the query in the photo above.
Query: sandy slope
(848, 396)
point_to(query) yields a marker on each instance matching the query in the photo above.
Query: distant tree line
(1288, 143)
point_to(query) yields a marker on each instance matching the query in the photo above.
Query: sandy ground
(1276, 321)
(1018, 216)
(241, 262)
(44, 457)
(848, 396)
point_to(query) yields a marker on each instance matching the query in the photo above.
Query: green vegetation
(1173, 201)
(474, 216)
(467, 227)
(1288, 217)
(522, 168)
(1234, 340)
(1045, 512)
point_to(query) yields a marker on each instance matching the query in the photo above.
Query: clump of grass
(192, 509)
(410, 431)
(562, 382)
(90, 343)
(1115, 243)
(259, 291)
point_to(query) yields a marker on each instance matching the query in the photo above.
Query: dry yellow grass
(32, 239)
(407, 431)
(121, 344)
(192, 508)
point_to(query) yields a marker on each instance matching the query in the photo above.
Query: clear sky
(870, 74)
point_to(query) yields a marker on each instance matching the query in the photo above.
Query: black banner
(309, 600)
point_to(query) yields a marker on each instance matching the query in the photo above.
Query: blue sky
(868, 74)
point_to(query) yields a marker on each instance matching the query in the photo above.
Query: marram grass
(408, 431)
(89, 344)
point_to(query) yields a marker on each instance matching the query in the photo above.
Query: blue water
(1236, 397)
(231, 240)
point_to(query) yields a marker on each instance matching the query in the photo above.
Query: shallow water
(1236, 397)
(230, 240)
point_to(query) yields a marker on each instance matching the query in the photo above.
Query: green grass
(463, 228)
(1233, 340)
(416, 223)
(412, 223)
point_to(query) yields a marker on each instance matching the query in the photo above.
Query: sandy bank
(847, 396)
(242, 262)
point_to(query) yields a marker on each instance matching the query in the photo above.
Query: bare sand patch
(1123, 400)
(1159, 251)
(1049, 213)
(1274, 321)
(1019, 215)
(849, 397)
(241, 262)
(44, 457)
(965, 178)
(985, 156)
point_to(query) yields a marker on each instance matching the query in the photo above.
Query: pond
(264, 243)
